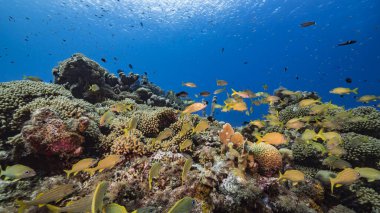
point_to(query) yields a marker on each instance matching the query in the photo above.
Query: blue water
(175, 41)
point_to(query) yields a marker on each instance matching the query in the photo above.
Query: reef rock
(48, 135)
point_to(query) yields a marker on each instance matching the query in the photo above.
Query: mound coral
(152, 122)
(47, 134)
(361, 149)
(267, 156)
(16, 94)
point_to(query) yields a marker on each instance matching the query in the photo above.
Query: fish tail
(259, 138)
(52, 208)
(68, 172)
(233, 92)
(332, 185)
(280, 177)
(355, 91)
(22, 205)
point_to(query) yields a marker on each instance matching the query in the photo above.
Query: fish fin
(75, 173)
(233, 92)
(332, 181)
(22, 205)
(52, 208)
(259, 138)
(41, 205)
(355, 91)
(338, 185)
(68, 172)
(90, 171)
(15, 180)
(294, 183)
(39, 195)
(371, 180)
(100, 170)
(280, 177)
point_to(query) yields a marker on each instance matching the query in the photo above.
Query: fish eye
(27, 172)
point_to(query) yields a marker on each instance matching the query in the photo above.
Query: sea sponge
(151, 122)
(267, 156)
(226, 133)
(361, 150)
(16, 94)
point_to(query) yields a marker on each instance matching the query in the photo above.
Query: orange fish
(221, 83)
(195, 107)
(242, 94)
(273, 138)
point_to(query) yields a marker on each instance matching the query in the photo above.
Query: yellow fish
(189, 84)
(32, 78)
(186, 168)
(273, 138)
(242, 94)
(330, 135)
(295, 123)
(257, 123)
(114, 208)
(221, 83)
(153, 173)
(345, 177)
(186, 144)
(308, 102)
(81, 205)
(343, 91)
(218, 91)
(80, 166)
(94, 88)
(369, 173)
(17, 172)
(106, 118)
(336, 163)
(201, 126)
(121, 107)
(107, 163)
(293, 175)
(54, 194)
(132, 124)
(195, 107)
(368, 98)
(166, 133)
(272, 99)
(182, 206)
(310, 134)
(98, 197)
(186, 127)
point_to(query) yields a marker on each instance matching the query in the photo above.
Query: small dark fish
(222, 50)
(114, 58)
(104, 60)
(10, 18)
(141, 24)
(297, 77)
(349, 80)
(285, 69)
(182, 94)
(347, 43)
(64, 40)
(204, 93)
(27, 18)
(130, 66)
(245, 122)
(245, 62)
(308, 24)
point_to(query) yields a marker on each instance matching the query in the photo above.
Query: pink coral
(49, 135)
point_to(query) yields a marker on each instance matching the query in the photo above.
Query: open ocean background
(178, 41)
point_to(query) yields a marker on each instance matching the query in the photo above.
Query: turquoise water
(178, 41)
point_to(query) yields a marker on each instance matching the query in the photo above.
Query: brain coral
(151, 122)
(16, 94)
(361, 149)
(267, 156)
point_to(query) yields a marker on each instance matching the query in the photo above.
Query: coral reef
(51, 127)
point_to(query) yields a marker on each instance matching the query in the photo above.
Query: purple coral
(49, 135)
